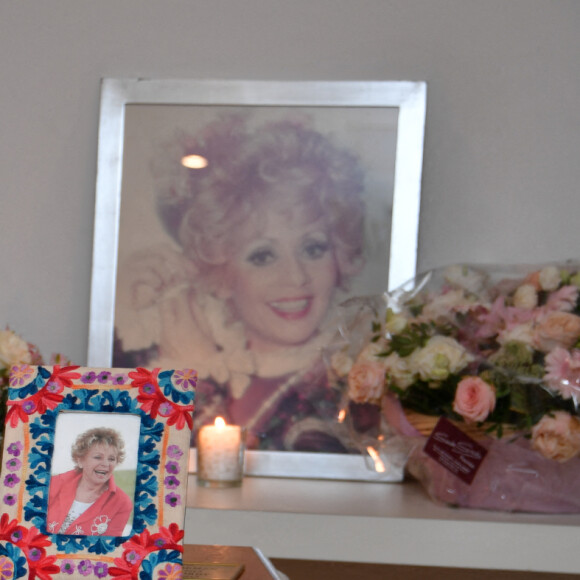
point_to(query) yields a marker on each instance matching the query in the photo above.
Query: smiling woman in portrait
(266, 238)
(86, 500)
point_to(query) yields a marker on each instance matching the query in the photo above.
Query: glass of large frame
(381, 123)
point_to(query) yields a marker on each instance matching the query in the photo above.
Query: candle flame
(219, 422)
(341, 415)
(379, 465)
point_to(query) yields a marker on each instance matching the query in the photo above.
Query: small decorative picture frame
(116, 442)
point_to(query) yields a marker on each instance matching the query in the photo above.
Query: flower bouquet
(493, 350)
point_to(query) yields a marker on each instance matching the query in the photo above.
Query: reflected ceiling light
(194, 162)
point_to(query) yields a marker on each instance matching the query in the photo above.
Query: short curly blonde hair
(98, 436)
(204, 209)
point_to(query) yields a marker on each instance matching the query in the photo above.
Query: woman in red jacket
(85, 501)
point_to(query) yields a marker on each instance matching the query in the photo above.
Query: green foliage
(429, 398)
(414, 336)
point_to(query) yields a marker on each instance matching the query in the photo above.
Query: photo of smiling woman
(267, 234)
(86, 499)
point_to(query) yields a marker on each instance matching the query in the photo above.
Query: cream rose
(525, 297)
(444, 305)
(467, 278)
(474, 399)
(557, 437)
(549, 278)
(556, 329)
(13, 349)
(520, 333)
(395, 322)
(341, 363)
(397, 371)
(440, 357)
(366, 381)
(371, 351)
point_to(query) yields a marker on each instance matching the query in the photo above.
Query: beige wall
(501, 170)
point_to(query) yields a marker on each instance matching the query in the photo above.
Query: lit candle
(220, 455)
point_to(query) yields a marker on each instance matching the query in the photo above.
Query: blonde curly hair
(98, 436)
(282, 161)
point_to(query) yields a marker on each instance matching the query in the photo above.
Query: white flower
(525, 297)
(550, 278)
(371, 351)
(521, 333)
(445, 305)
(13, 349)
(466, 278)
(341, 363)
(440, 357)
(395, 323)
(398, 371)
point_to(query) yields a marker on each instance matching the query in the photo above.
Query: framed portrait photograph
(121, 429)
(233, 218)
(94, 472)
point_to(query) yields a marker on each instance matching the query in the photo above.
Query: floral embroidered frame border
(140, 420)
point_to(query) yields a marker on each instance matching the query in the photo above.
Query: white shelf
(376, 522)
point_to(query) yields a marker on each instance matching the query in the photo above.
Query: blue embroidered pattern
(154, 559)
(13, 554)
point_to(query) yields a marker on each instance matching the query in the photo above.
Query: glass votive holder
(220, 455)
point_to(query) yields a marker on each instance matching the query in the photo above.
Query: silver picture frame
(405, 99)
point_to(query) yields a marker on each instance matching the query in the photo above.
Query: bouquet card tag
(454, 450)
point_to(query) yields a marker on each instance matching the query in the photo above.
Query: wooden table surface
(319, 570)
(256, 566)
(259, 567)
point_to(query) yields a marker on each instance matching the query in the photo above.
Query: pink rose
(474, 399)
(366, 381)
(556, 329)
(557, 437)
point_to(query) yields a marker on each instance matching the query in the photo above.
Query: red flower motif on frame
(154, 402)
(33, 544)
(48, 397)
(139, 546)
